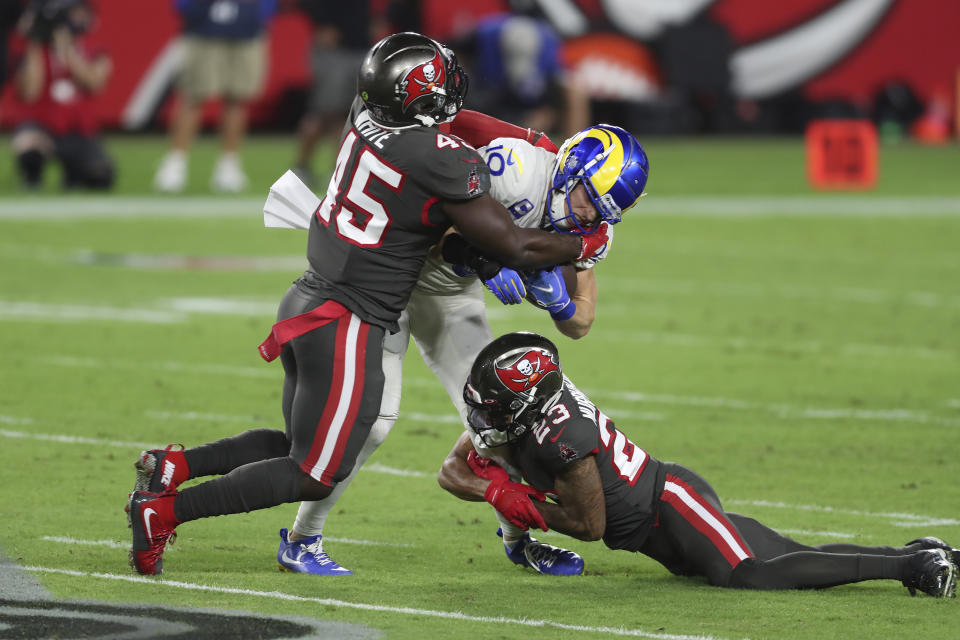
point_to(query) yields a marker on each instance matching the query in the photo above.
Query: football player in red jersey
(607, 488)
(398, 184)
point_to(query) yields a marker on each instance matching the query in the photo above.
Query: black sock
(223, 456)
(257, 485)
(872, 567)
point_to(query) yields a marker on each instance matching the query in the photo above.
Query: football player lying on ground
(605, 487)
(586, 186)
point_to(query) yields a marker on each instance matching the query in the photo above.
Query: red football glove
(479, 129)
(486, 468)
(512, 499)
(540, 139)
(593, 243)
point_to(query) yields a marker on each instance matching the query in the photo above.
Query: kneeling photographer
(57, 81)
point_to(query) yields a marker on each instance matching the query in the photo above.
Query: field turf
(800, 350)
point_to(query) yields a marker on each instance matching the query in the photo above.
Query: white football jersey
(520, 176)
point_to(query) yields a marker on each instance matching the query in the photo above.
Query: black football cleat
(933, 573)
(929, 542)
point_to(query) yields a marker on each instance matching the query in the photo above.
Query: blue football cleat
(544, 558)
(307, 556)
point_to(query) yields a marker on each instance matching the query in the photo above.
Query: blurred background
(143, 112)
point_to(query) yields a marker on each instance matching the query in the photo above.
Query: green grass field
(800, 350)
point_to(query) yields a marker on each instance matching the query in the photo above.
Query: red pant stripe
(705, 519)
(356, 396)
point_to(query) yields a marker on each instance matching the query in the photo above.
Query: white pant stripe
(346, 396)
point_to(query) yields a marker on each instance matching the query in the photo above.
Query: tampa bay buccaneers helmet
(513, 382)
(409, 79)
(612, 166)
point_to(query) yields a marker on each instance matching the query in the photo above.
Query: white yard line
(343, 604)
(907, 520)
(719, 206)
(818, 534)
(69, 439)
(376, 467)
(779, 410)
(181, 310)
(113, 544)
(725, 206)
(262, 371)
(70, 313)
(814, 347)
(51, 209)
(193, 416)
(638, 397)
(865, 295)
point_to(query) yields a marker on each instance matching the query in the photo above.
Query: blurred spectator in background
(10, 11)
(342, 33)
(517, 75)
(896, 107)
(57, 78)
(402, 15)
(224, 56)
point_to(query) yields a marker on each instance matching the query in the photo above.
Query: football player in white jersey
(584, 188)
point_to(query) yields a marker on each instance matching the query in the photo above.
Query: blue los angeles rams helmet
(612, 166)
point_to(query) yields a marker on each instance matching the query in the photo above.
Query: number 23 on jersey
(626, 458)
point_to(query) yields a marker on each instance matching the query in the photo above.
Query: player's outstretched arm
(478, 129)
(457, 477)
(580, 511)
(585, 298)
(488, 226)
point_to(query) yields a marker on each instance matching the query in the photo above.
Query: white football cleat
(228, 176)
(172, 175)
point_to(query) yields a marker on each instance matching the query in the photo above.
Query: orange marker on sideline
(841, 154)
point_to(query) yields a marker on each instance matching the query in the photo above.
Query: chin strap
(427, 121)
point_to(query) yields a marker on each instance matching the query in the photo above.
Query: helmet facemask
(445, 100)
(497, 425)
